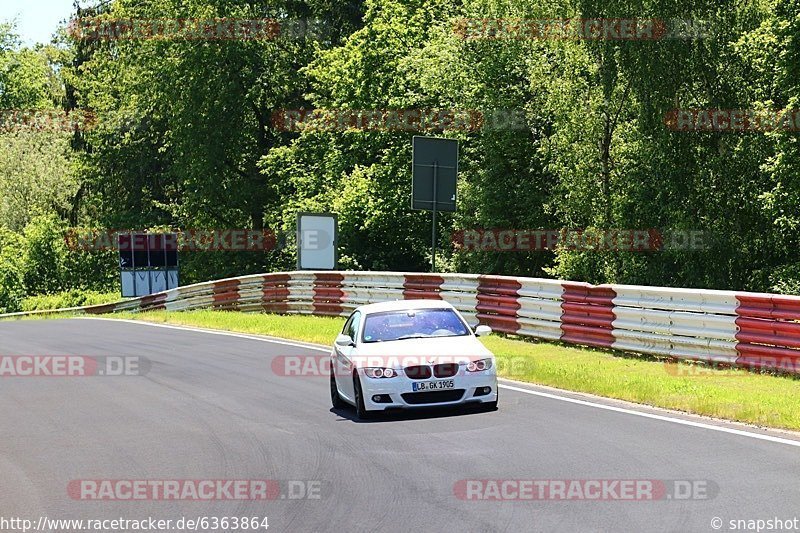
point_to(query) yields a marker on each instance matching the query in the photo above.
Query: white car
(410, 353)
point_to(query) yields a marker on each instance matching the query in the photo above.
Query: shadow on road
(349, 413)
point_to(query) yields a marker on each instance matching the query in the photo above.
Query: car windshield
(413, 324)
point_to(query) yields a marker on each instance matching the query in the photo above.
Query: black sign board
(434, 172)
(148, 262)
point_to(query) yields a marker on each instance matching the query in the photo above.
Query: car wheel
(361, 411)
(336, 400)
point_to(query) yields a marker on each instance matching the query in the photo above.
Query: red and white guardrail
(749, 329)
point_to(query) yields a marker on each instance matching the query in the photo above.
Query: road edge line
(576, 401)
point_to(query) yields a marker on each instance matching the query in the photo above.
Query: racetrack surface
(211, 407)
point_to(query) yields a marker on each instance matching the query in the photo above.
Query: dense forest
(576, 132)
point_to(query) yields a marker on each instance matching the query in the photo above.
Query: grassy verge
(761, 399)
(67, 299)
(321, 330)
(765, 400)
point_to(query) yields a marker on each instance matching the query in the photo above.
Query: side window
(352, 327)
(346, 328)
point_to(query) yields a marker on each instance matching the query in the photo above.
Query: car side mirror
(482, 330)
(344, 340)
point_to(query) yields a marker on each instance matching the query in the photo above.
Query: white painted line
(585, 403)
(691, 423)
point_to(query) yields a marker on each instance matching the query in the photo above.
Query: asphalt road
(211, 407)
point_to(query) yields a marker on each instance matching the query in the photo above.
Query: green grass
(74, 298)
(765, 400)
(761, 399)
(320, 330)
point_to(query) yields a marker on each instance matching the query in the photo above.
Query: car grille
(443, 396)
(418, 372)
(447, 370)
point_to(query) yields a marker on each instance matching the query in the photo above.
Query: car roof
(401, 305)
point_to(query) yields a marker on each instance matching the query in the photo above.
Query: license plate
(432, 385)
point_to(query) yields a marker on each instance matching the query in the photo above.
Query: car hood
(443, 349)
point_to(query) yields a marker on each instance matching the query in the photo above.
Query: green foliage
(12, 288)
(36, 178)
(184, 139)
(27, 79)
(37, 268)
(72, 298)
(43, 256)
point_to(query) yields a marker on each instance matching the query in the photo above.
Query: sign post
(433, 179)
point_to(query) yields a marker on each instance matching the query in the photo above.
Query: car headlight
(479, 365)
(379, 372)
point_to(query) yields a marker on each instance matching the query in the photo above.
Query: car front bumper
(398, 393)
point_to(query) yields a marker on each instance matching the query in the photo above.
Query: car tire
(361, 410)
(336, 399)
